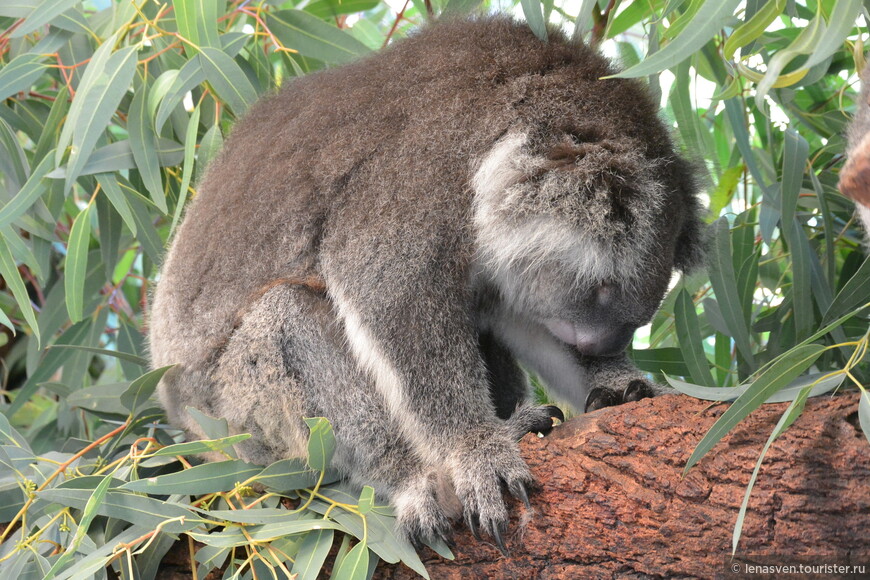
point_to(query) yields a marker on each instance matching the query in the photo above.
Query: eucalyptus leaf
(199, 479)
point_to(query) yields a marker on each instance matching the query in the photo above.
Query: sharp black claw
(499, 540)
(416, 542)
(518, 490)
(472, 525)
(556, 413)
(598, 398)
(636, 390)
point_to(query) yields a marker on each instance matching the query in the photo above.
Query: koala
(384, 244)
(855, 175)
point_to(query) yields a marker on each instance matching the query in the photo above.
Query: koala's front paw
(534, 419)
(600, 397)
(487, 460)
(420, 512)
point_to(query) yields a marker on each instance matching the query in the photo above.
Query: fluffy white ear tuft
(498, 170)
(505, 239)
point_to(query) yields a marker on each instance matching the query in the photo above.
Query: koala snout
(597, 340)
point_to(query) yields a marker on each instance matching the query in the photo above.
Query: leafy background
(109, 110)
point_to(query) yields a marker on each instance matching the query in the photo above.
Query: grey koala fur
(380, 244)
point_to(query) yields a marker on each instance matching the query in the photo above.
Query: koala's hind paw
(420, 514)
(534, 419)
(490, 461)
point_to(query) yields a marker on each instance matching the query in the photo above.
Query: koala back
(385, 149)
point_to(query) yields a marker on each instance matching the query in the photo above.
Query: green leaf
(234, 537)
(189, 76)
(704, 26)
(806, 41)
(786, 394)
(93, 107)
(534, 13)
(5, 321)
(660, 360)
(28, 194)
(109, 184)
(321, 444)
(77, 263)
(312, 37)
(88, 514)
(790, 416)
(254, 516)
(200, 479)
(119, 156)
(187, 172)
(794, 161)
(211, 143)
(801, 292)
(689, 336)
(105, 352)
(366, 499)
(43, 14)
(725, 286)
(201, 446)
(142, 388)
(227, 78)
(143, 142)
(312, 554)
(102, 399)
(745, 259)
(326, 9)
(752, 28)
(92, 564)
(130, 507)
(212, 427)
(288, 475)
(18, 8)
(843, 19)
(13, 280)
(853, 293)
(784, 370)
(21, 73)
(10, 435)
(14, 163)
(197, 21)
(584, 22)
(355, 565)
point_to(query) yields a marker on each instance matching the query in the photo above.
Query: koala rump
(383, 243)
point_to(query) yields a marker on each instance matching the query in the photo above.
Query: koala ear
(692, 241)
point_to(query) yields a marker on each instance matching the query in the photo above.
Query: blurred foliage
(110, 110)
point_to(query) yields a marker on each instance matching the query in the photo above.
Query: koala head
(582, 232)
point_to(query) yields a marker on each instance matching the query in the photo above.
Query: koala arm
(405, 309)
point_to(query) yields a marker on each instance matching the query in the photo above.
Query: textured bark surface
(613, 503)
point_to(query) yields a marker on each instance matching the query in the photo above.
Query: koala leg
(615, 380)
(288, 360)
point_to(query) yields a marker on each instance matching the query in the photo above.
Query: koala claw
(518, 490)
(497, 532)
(533, 419)
(637, 390)
(598, 398)
(471, 522)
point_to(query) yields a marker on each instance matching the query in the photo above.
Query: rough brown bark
(613, 502)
